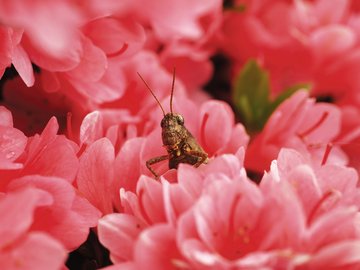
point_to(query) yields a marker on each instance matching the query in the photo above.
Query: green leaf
(251, 96)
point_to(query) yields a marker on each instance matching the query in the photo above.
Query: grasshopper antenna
(172, 92)
(148, 87)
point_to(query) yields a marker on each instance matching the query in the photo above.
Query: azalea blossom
(268, 89)
(124, 168)
(229, 221)
(301, 124)
(49, 163)
(22, 248)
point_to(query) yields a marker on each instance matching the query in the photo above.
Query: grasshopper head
(172, 130)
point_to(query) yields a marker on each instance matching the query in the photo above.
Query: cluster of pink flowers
(77, 126)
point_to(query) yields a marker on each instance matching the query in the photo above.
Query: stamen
(324, 198)
(314, 127)
(328, 149)
(119, 52)
(202, 129)
(69, 130)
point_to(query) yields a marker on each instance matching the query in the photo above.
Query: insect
(180, 144)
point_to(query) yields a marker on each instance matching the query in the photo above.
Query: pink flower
(49, 39)
(57, 42)
(189, 37)
(97, 183)
(14, 53)
(320, 188)
(49, 163)
(298, 123)
(50, 154)
(95, 179)
(349, 138)
(21, 248)
(213, 217)
(79, 63)
(155, 203)
(242, 233)
(204, 126)
(68, 217)
(321, 38)
(78, 58)
(12, 142)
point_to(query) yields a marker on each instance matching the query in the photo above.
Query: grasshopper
(180, 144)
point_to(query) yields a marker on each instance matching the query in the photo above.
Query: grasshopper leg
(154, 161)
(201, 155)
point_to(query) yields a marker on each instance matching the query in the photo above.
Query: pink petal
(6, 46)
(17, 211)
(91, 128)
(22, 63)
(118, 233)
(87, 214)
(291, 219)
(186, 230)
(226, 164)
(93, 63)
(182, 63)
(343, 255)
(328, 41)
(207, 227)
(66, 59)
(198, 253)
(326, 118)
(116, 36)
(156, 249)
(128, 164)
(36, 251)
(331, 13)
(6, 118)
(286, 119)
(172, 19)
(54, 154)
(48, 135)
(112, 84)
(344, 179)
(150, 196)
(51, 38)
(190, 179)
(325, 229)
(214, 114)
(288, 159)
(121, 266)
(69, 217)
(96, 174)
(239, 138)
(73, 229)
(62, 192)
(12, 145)
(176, 201)
(306, 186)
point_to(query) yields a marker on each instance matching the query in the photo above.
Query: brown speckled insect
(180, 144)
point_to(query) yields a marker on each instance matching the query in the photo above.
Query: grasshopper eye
(180, 119)
(162, 123)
